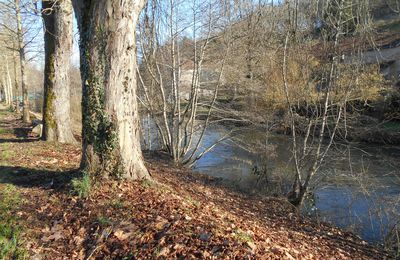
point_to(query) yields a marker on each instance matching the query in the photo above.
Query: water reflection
(358, 187)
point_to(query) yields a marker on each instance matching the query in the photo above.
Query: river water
(357, 188)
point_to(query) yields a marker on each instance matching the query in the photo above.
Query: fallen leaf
(252, 246)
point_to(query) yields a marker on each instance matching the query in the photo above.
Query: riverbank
(373, 132)
(180, 214)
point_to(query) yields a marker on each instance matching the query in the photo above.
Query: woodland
(141, 129)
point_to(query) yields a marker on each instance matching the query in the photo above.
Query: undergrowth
(10, 231)
(82, 186)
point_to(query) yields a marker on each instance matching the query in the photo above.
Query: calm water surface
(358, 187)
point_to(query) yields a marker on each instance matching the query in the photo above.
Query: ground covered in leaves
(178, 215)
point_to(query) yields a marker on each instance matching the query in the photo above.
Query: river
(357, 188)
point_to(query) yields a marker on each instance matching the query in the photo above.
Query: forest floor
(179, 214)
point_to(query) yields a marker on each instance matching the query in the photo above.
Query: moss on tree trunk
(57, 16)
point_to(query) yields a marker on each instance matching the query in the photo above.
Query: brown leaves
(251, 245)
(125, 231)
(186, 216)
(122, 235)
(161, 223)
(55, 233)
(150, 222)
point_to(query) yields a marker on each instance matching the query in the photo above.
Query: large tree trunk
(57, 16)
(110, 132)
(22, 60)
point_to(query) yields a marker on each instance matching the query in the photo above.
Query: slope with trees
(195, 64)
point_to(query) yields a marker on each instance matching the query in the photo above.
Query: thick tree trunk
(110, 132)
(57, 17)
(22, 60)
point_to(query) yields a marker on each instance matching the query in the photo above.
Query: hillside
(180, 214)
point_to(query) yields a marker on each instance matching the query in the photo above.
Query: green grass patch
(104, 221)
(117, 204)
(243, 236)
(10, 231)
(193, 202)
(7, 155)
(82, 186)
(147, 183)
(3, 112)
(4, 131)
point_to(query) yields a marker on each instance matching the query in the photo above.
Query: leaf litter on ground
(178, 214)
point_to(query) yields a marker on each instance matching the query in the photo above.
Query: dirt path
(178, 215)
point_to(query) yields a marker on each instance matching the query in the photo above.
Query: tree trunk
(25, 98)
(10, 89)
(57, 17)
(110, 131)
(6, 94)
(22, 60)
(15, 65)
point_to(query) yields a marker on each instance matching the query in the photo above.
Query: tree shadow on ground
(16, 140)
(40, 178)
(16, 130)
(22, 132)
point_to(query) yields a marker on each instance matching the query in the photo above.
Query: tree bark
(6, 93)
(110, 131)
(21, 48)
(10, 89)
(15, 65)
(57, 17)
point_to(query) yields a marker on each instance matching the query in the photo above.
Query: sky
(35, 23)
(75, 52)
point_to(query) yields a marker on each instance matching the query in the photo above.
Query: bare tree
(18, 23)
(7, 82)
(22, 61)
(338, 20)
(172, 76)
(110, 133)
(57, 17)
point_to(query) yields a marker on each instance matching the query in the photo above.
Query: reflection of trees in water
(357, 188)
(364, 196)
(368, 179)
